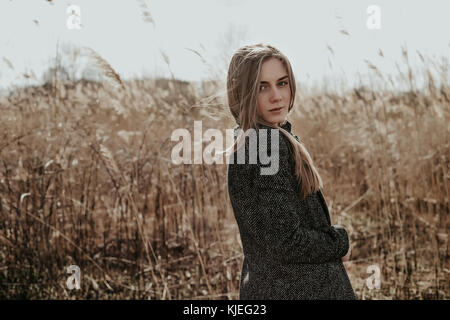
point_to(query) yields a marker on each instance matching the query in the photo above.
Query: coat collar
(286, 126)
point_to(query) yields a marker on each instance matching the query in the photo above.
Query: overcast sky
(30, 29)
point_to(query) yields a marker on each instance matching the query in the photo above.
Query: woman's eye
(282, 83)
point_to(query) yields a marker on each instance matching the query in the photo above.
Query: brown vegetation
(86, 179)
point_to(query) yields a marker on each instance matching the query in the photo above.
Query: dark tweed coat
(291, 250)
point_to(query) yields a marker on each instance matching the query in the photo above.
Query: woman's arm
(267, 207)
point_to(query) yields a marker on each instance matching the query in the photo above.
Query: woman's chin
(278, 119)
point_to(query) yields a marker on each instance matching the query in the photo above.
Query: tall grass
(86, 179)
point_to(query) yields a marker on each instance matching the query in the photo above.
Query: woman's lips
(276, 110)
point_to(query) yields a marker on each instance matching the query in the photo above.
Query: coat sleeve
(267, 211)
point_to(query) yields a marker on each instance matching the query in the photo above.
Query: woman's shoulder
(263, 137)
(265, 152)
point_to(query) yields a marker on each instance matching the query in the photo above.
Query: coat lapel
(324, 206)
(287, 126)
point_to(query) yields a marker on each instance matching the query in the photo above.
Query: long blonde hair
(242, 89)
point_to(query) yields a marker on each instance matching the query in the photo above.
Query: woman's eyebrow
(284, 77)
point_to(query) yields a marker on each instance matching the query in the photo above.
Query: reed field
(86, 179)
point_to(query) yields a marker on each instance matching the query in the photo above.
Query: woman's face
(274, 93)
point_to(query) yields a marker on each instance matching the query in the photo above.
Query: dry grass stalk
(105, 67)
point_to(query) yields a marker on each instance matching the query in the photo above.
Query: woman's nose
(275, 95)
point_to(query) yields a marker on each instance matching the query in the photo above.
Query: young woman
(291, 250)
